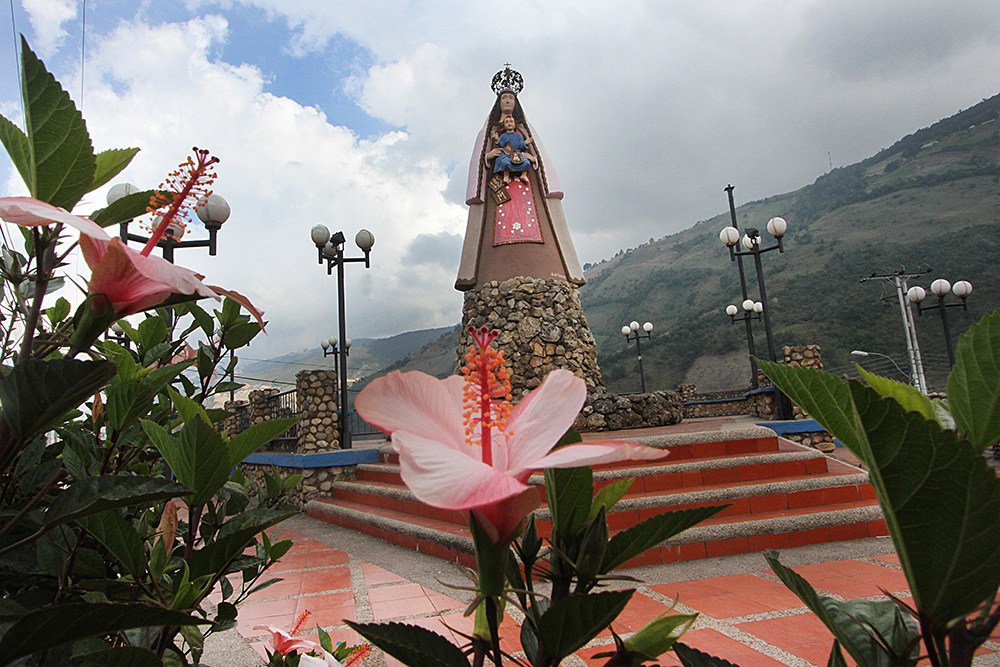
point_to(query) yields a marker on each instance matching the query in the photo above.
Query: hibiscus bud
(97, 411)
(167, 530)
(91, 321)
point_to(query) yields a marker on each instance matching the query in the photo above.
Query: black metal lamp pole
(632, 333)
(213, 211)
(940, 288)
(730, 236)
(751, 311)
(330, 249)
(754, 384)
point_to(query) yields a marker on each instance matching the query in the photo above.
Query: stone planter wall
(316, 403)
(610, 412)
(316, 482)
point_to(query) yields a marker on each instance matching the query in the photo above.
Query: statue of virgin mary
(516, 225)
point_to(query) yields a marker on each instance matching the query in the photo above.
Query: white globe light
(634, 326)
(962, 288)
(731, 310)
(758, 307)
(333, 341)
(776, 227)
(647, 327)
(120, 190)
(347, 343)
(729, 236)
(940, 287)
(320, 235)
(916, 294)
(748, 305)
(625, 330)
(365, 240)
(748, 242)
(214, 209)
(325, 343)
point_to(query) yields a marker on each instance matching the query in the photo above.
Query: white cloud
(47, 18)
(647, 109)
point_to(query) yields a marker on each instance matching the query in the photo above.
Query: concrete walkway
(746, 615)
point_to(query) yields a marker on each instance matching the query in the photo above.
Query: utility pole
(899, 278)
(743, 290)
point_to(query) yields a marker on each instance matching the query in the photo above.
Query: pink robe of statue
(500, 242)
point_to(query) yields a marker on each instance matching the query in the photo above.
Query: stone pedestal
(542, 328)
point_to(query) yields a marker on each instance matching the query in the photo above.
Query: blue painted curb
(344, 457)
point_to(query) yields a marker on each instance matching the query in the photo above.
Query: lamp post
(863, 353)
(632, 333)
(751, 243)
(940, 288)
(213, 211)
(330, 249)
(751, 311)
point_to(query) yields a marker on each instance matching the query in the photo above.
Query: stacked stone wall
(611, 412)
(807, 356)
(316, 403)
(542, 327)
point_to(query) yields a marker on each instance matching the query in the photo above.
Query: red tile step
(780, 495)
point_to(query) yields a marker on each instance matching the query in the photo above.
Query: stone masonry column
(542, 327)
(316, 399)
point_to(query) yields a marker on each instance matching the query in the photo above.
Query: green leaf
(52, 626)
(225, 618)
(120, 538)
(127, 208)
(240, 335)
(857, 625)
(692, 657)
(98, 494)
(659, 635)
(249, 441)
(62, 156)
(110, 163)
(631, 542)
(16, 143)
(215, 557)
(569, 492)
(836, 658)
(196, 455)
(906, 395)
(940, 499)
(411, 645)
(609, 495)
(151, 332)
(131, 397)
(37, 393)
(974, 383)
(573, 621)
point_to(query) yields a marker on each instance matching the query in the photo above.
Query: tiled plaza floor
(748, 618)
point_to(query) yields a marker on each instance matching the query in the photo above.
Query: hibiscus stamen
(190, 182)
(487, 395)
(300, 623)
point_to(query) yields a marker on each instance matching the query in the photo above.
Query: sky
(363, 115)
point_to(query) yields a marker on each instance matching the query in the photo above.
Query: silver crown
(507, 81)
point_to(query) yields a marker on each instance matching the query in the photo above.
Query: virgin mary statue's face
(507, 102)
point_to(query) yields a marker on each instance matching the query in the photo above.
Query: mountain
(930, 202)
(367, 356)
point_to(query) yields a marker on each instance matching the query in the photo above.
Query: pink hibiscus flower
(131, 281)
(461, 445)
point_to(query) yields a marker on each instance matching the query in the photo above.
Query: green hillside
(930, 201)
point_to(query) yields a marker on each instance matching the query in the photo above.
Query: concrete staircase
(780, 494)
